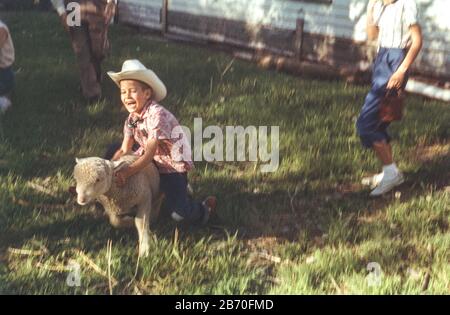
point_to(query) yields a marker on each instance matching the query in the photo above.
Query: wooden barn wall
(333, 32)
(144, 13)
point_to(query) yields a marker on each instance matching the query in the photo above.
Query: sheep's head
(93, 176)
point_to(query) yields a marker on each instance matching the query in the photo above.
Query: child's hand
(396, 80)
(120, 178)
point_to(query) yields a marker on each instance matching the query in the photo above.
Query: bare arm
(371, 27)
(416, 45)
(139, 164)
(396, 81)
(3, 36)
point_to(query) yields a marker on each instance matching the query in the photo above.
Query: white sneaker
(372, 181)
(386, 184)
(5, 103)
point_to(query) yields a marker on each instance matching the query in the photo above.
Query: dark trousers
(369, 125)
(6, 80)
(174, 186)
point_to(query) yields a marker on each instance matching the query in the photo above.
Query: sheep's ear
(117, 165)
(79, 160)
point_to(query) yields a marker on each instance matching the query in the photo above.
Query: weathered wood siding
(334, 32)
(145, 13)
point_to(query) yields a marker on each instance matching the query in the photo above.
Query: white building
(333, 33)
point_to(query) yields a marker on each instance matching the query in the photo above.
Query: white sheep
(136, 203)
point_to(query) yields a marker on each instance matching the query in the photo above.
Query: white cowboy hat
(134, 70)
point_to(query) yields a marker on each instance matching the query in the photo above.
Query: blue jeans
(6, 80)
(369, 126)
(174, 186)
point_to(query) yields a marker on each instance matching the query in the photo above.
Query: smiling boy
(151, 126)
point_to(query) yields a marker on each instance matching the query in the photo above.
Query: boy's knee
(368, 139)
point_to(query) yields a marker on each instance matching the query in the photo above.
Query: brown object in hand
(391, 106)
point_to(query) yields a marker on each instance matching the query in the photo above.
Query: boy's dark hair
(144, 85)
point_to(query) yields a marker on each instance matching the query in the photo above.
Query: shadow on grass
(311, 211)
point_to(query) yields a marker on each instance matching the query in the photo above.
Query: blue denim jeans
(6, 80)
(369, 126)
(174, 186)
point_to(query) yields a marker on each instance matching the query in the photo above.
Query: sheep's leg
(142, 221)
(120, 222)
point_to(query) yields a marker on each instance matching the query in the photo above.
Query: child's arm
(139, 164)
(3, 36)
(371, 27)
(396, 80)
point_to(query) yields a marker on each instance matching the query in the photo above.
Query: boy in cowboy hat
(160, 138)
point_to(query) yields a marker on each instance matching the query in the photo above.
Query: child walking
(394, 23)
(159, 139)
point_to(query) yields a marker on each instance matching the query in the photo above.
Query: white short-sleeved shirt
(393, 21)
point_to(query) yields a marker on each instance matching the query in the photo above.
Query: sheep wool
(136, 204)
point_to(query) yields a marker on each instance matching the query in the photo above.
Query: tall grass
(308, 228)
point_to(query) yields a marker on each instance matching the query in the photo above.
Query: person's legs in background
(372, 131)
(98, 39)
(90, 86)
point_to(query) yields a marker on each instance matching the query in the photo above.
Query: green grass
(312, 213)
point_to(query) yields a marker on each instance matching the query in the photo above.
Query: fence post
(164, 15)
(298, 42)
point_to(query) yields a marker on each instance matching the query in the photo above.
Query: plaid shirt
(173, 154)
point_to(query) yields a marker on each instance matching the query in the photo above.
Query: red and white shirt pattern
(173, 154)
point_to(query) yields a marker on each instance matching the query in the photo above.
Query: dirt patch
(263, 243)
(424, 153)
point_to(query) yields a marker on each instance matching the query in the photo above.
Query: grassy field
(308, 228)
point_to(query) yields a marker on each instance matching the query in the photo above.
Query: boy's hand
(121, 178)
(396, 80)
